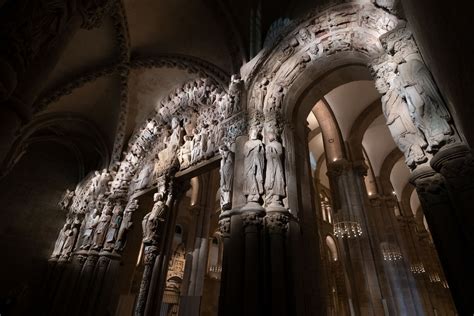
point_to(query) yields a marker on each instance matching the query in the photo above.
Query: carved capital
(456, 164)
(150, 254)
(430, 186)
(338, 168)
(103, 261)
(81, 259)
(360, 167)
(91, 260)
(277, 223)
(252, 219)
(224, 226)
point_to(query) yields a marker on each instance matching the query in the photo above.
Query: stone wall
(30, 218)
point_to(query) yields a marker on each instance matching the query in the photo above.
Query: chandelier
(391, 252)
(434, 277)
(347, 226)
(417, 268)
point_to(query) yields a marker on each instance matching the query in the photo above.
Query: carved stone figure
(71, 238)
(114, 226)
(145, 176)
(254, 164)
(58, 246)
(176, 138)
(102, 227)
(304, 36)
(185, 152)
(407, 137)
(274, 176)
(227, 176)
(66, 200)
(274, 101)
(426, 106)
(150, 223)
(259, 94)
(287, 51)
(196, 152)
(212, 138)
(90, 226)
(126, 225)
(102, 183)
(235, 89)
(292, 69)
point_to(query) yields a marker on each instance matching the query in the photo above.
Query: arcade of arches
(212, 158)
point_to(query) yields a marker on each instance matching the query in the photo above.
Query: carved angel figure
(254, 164)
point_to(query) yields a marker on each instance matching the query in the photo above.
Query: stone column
(252, 300)
(160, 269)
(276, 224)
(84, 285)
(150, 253)
(224, 228)
(456, 164)
(347, 184)
(453, 245)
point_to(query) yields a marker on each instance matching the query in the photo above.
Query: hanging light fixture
(347, 226)
(391, 252)
(417, 268)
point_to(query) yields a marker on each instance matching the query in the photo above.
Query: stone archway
(269, 207)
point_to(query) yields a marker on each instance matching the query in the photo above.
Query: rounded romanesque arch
(321, 42)
(186, 128)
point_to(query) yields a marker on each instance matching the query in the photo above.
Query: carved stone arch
(196, 111)
(42, 127)
(320, 42)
